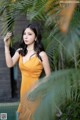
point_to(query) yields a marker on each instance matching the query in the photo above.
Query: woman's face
(29, 36)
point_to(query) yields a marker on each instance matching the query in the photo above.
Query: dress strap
(37, 55)
(32, 55)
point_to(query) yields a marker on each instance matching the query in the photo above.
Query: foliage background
(62, 45)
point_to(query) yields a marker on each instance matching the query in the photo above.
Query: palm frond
(53, 92)
(48, 13)
(68, 43)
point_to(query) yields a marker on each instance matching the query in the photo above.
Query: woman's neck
(30, 48)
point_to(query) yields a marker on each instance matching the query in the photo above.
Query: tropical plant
(62, 47)
(57, 97)
(62, 43)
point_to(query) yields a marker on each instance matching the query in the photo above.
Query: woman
(32, 60)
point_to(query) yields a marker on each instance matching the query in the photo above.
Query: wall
(5, 81)
(5, 88)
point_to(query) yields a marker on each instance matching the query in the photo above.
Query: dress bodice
(31, 68)
(30, 71)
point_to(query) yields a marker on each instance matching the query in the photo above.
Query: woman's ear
(35, 38)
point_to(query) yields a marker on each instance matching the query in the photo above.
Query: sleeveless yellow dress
(30, 71)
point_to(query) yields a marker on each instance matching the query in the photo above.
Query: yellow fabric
(30, 71)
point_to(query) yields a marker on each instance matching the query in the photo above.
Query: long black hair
(38, 47)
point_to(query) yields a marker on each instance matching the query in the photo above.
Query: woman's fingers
(7, 39)
(8, 35)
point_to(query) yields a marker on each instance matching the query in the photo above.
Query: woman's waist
(30, 75)
(29, 80)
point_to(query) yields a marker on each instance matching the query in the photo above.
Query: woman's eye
(24, 33)
(29, 34)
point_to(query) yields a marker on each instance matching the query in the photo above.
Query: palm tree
(61, 40)
(5, 15)
(56, 39)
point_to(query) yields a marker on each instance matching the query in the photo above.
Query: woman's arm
(10, 61)
(45, 63)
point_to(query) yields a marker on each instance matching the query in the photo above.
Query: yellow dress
(30, 71)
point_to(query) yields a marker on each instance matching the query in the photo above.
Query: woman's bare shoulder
(43, 54)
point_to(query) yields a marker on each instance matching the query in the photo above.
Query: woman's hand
(7, 39)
